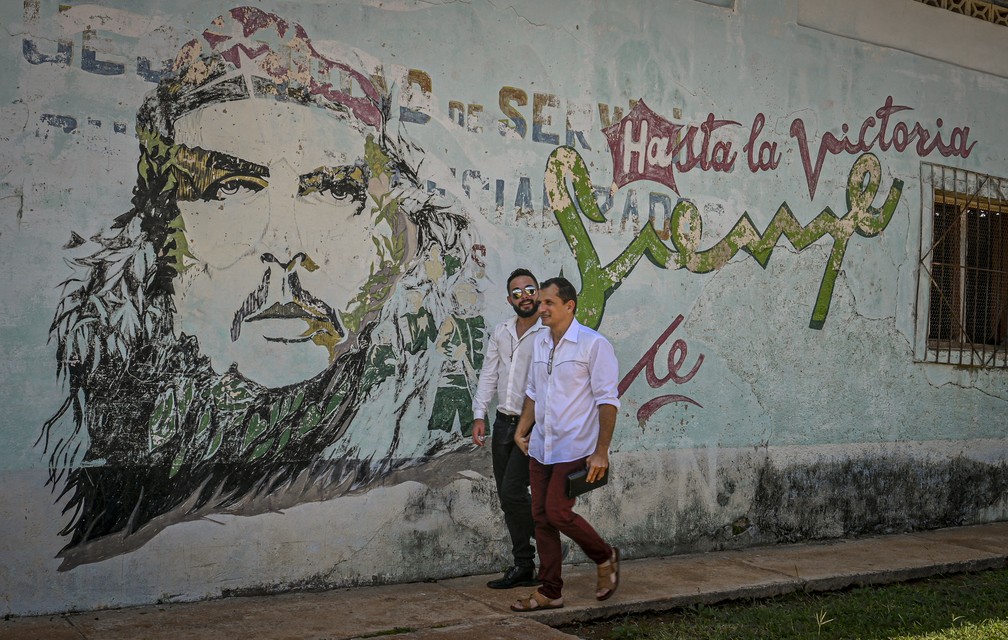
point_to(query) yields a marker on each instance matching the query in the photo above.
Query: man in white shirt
(571, 401)
(504, 373)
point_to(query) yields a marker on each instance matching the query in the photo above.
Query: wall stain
(873, 495)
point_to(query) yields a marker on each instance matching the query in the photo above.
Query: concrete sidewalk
(465, 608)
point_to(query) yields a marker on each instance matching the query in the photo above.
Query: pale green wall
(779, 408)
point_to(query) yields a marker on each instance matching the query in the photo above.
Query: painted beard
(522, 313)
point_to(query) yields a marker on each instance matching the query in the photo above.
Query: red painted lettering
(675, 360)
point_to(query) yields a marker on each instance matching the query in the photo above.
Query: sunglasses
(518, 292)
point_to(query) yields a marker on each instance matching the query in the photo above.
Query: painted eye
(341, 191)
(347, 191)
(227, 187)
(344, 185)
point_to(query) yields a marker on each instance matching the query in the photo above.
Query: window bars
(987, 11)
(964, 266)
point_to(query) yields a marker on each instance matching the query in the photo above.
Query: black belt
(503, 417)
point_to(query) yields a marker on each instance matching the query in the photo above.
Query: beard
(522, 313)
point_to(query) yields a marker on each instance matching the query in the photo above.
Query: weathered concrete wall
(250, 267)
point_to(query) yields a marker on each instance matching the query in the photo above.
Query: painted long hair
(149, 434)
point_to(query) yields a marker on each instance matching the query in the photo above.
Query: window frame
(972, 193)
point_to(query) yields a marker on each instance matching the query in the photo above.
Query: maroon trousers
(553, 513)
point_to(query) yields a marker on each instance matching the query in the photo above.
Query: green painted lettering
(686, 231)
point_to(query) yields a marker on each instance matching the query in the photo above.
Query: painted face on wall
(279, 232)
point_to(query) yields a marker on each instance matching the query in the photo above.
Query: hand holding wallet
(577, 482)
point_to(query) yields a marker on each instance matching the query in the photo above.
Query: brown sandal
(536, 601)
(608, 577)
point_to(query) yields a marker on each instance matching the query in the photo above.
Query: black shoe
(515, 577)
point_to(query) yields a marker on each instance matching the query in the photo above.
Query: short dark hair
(565, 290)
(520, 271)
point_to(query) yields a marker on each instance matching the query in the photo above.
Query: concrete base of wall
(686, 500)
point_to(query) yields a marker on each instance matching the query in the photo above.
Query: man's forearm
(527, 419)
(598, 461)
(524, 427)
(607, 425)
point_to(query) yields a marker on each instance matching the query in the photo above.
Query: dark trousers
(511, 471)
(553, 513)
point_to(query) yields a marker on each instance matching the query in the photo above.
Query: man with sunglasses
(504, 373)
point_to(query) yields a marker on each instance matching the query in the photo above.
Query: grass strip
(968, 606)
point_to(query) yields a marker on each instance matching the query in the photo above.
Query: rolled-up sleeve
(604, 374)
(530, 387)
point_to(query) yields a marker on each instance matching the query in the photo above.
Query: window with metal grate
(964, 267)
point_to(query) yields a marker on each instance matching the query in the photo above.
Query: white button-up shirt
(505, 368)
(568, 382)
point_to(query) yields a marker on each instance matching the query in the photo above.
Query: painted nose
(282, 237)
(297, 259)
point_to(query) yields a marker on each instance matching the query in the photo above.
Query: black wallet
(577, 482)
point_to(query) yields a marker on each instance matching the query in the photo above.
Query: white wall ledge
(913, 27)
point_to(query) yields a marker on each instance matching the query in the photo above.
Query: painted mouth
(318, 325)
(286, 311)
(321, 318)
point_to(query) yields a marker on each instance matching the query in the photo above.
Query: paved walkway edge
(662, 603)
(465, 608)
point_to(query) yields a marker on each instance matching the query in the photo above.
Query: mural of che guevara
(283, 315)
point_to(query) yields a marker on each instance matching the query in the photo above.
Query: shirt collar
(571, 335)
(573, 331)
(513, 326)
